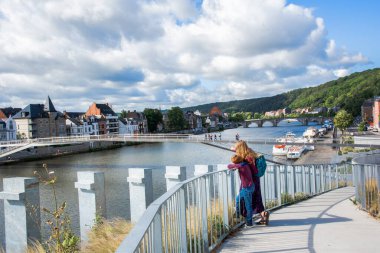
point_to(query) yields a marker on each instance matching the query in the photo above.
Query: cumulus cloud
(135, 54)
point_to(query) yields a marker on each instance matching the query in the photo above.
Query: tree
(362, 126)
(343, 120)
(153, 117)
(237, 117)
(123, 114)
(257, 115)
(176, 118)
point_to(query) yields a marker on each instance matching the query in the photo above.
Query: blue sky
(138, 54)
(354, 24)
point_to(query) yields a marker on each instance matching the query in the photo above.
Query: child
(242, 149)
(246, 187)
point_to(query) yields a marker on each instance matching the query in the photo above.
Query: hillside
(347, 92)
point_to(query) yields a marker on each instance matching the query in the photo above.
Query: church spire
(49, 107)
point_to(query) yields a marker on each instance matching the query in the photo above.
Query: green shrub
(286, 198)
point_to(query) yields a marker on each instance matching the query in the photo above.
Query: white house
(83, 127)
(126, 127)
(8, 129)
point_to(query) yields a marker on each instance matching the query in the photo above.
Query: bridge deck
(326, 223)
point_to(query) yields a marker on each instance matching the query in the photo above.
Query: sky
(159, 54)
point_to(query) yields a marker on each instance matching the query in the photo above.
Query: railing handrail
(140, 227)
(132, 242)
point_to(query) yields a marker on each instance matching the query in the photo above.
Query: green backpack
(261, 165)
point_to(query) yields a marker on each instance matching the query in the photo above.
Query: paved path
(326, 223)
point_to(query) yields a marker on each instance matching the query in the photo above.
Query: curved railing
(197, 214)
(366, 172)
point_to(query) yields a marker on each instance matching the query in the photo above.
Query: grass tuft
(107, 236)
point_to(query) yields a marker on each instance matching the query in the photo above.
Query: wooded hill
(347, 92)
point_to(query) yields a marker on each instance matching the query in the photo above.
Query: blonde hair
(237, 159)
(242, 150)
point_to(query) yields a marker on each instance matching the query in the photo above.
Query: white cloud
(150, 53)
(341, 72)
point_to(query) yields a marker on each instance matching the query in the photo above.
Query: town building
(194, 120)
(367, 110)
(137, 119)
(8, 131)
(376, 113)
(107, 119)
(286, 110)
(319, 110)
(270, 114)
(127, 127)
(40, 121)
(78, 125)
(215, 111)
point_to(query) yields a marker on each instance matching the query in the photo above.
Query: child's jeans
(246, 194)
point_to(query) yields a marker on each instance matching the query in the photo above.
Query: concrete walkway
(327, 223)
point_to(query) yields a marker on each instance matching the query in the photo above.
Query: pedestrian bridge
(8, 148)
(310, 206)
(326, 223)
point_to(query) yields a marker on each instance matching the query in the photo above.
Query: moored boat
(280, 149)
(295, 152)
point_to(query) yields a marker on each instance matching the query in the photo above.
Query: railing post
(336, 177)
(203, 205)
(294, 181)
(140, 191)
(286, 179)
(315, 179)
(223, 191)
(277, 183)
(303, 181)
(309, 180)
(363, 196)
(157, 233)
(345, 174)
(330, 179)
(21, 197)
(182, 216)
(91, 198)
(322, 175)
(174, 175)
(203, 169)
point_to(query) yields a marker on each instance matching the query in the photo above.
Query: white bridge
(10, 147)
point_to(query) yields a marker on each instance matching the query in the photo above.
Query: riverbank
(321, 154)
(38, 153)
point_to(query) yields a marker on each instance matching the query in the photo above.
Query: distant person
(246, 187)
(220, 136)
(237, 136)
(205, 137)
(215, 137)
(242, 149)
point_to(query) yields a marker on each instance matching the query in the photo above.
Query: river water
(115, 163)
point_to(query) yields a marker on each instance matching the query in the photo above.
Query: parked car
(375, 130)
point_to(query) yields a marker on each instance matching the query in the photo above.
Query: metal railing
(367, 190)
(197, 214)
(168, 138)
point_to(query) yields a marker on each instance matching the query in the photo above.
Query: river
(114, 163)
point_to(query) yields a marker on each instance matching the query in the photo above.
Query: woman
(242, 149)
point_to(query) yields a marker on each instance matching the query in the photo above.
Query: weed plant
(61, 237)
(106, 235)
(372, 197)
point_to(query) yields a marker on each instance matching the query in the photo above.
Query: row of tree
(154, 117)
